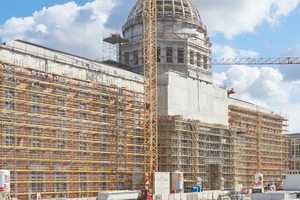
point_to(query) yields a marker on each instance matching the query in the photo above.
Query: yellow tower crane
(150, 91)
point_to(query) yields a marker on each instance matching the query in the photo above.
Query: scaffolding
(199, 150)
(112, 47)
(75, 135)
(261, 145)
(67, 137)
(218, 157)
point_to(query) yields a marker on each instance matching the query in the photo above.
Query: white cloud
(284, 7)
(229, 52)
(256, 85)
(296, 90)
(269, 86)
(41, 28)
(224, 51)
(233, 17)
(241, 77)
(219, 78)
(67, 27)
(291, 111)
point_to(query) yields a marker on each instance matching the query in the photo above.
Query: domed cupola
(177, 10)
(182, 45)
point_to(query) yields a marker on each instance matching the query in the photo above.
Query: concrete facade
(162, 182)
(192, 99)
(295, 151)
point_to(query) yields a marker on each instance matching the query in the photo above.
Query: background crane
(256, 61)
(150, 91)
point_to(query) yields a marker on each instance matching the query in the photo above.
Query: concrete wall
(161, 182)
(291, 182)
(191, 98)
(206, 195)
(273, 196)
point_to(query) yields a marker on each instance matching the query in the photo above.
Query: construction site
(219, 157)
(72, 127)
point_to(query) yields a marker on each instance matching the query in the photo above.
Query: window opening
(180, 55)
(169, 54)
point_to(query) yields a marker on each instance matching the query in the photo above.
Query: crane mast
(150, 91)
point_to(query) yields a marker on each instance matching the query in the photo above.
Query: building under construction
(295, 152)
(72, 126)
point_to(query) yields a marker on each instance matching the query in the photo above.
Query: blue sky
(236, 28)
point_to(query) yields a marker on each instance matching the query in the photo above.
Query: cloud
(292, 116)
(270, 86)
(291, 72)
(296, 90)
(230, 52)
(234, 17)
(119, 14)
(67, 27)
(219, 78)
(293, 110)
(257, 85)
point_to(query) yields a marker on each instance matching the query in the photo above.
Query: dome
(177, 10)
